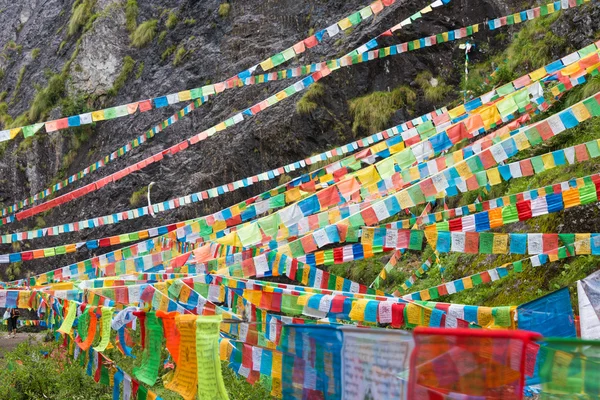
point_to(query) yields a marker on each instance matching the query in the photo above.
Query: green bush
(144, 33)
(179, 55)
(140, 70)
(434, 94)
(27, 374)
(171, 20)
(46, 98)
(224, 9)
(128, 64)
(34, 53)
(189, 21)
(169, 50)
(18, 84)
(138, 196)
(373, 111)
(308, 102)
(131, 14)
(82, 11)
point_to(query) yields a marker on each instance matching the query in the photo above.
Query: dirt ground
(8, 344)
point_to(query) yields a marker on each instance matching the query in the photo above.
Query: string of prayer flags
(147, 372)
(569, 367)
(203, 135)
(185, 378)
(204, 91)
(466, 362)
(210, 379)
(125, 215)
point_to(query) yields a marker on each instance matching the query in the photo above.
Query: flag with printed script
(569, 369)
(468, 363)
(345, 362)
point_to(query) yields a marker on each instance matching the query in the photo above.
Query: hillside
(242, 190)
(59, 62)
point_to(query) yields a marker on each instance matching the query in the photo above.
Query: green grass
(131, 14)
(224, 10)
(128, 65)
(140, 70)
(180, 55)
(18, 84)
(162, 36)
(82, 11)
(190, 21)
(308, 102)
(434, 94)
(144, 33)
(35, 53)
(46, 98)
(373, 111)
(138, 196)
(171, 20)
(168, 51)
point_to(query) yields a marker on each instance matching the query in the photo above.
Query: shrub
(179, 55)
(534, 46)
(128, 64)
(42, 371)
(168, 52)
(138, 196)
(144, 33)
(171, 20)
(373, 111)
(80, 15)
(18, 84)
(434, 92)
(131, 13)
(34, 53)
(224, 10)
(189, 21)
(46, 98)
(307, 103)
(161, 37)
(140, 70)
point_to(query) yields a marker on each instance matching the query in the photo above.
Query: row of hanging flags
(316, 71)
(411, 132)
(295, 219)
(192, 286)
(288, 353)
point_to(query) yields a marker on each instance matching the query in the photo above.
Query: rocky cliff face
(87, 61)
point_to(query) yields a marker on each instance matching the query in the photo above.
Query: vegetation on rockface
(46, 98)
(171, 20)
(144, 33)
(168, 51)
(435, 90)
(137, 197)
(18, 84)
(126, 70)
(373, 111)
(131, 14)
(81, 13)
(308, 102)
(532, 47)
(224, 9)
(180, 55)
(140, 70)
